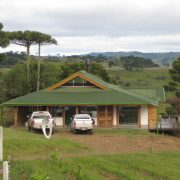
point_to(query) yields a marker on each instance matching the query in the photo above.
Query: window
(128, 115)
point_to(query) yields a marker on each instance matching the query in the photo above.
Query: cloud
(80, 45)
(104, 24)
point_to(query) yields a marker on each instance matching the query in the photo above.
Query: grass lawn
(82, 156)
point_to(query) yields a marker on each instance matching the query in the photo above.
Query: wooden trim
(73, 77)
(63, 82)
(148, 118)
(152, 117)
(113, 116)
(93, 82)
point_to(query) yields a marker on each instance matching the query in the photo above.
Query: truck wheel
(91, 132)
(74, 131)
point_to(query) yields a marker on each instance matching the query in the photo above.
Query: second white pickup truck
(82, 122)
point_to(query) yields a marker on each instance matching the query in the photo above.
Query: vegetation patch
(122, 166)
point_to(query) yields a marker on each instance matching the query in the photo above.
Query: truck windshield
(41, 116)
(82, 117)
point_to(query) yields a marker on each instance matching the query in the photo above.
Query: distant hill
(160, 58)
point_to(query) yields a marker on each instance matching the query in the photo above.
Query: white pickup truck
(82, 122)
(36, 118)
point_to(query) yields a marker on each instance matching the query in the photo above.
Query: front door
(69, 113)
(105, 116)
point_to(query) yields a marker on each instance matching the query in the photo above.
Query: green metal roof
(89, 96)
(157, 93)
(94, 78)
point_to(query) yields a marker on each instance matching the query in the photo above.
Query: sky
(84, 26)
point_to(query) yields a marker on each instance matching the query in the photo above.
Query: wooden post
(5, 170)
(16, 116)
(139, 116)
(106, 113)
(1, 144)
(64, 116)
(114, 116)
(98, 116)
(152, 116)
(77, 109)
(117, 115)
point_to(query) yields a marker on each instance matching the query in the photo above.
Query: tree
(15, 82)
(41, 40)
(4, 40)
(111, 63)
(94, 68)
(97, 69)
(131, 62)
(174, 85)
(26, 39)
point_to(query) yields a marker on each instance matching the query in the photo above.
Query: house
(82, 92)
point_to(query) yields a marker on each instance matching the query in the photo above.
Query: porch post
(77, 109)
(106, 111)
(16, 116)
(139, 116)
(64, 115)
(114, 115)
(47, 108)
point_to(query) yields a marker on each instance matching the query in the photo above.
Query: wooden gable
(74, 76)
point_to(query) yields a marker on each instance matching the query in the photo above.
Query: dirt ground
(110, 143)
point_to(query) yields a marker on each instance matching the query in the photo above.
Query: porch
(136, 116)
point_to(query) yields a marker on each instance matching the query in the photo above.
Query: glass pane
(128, 115)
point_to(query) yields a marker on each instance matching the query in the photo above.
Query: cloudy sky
(83, 26)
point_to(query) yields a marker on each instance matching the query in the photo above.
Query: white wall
(144, 116)
(58, 121)
(95, 119)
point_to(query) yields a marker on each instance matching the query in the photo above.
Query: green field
(4, 70)
(146, 78)
(66, 156)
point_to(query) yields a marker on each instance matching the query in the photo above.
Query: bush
(8, 117)
(171, 110)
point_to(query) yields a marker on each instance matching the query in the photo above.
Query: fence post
(5, 170)
(1, 143)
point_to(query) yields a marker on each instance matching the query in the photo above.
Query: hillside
(147, 78)
(160, 58)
